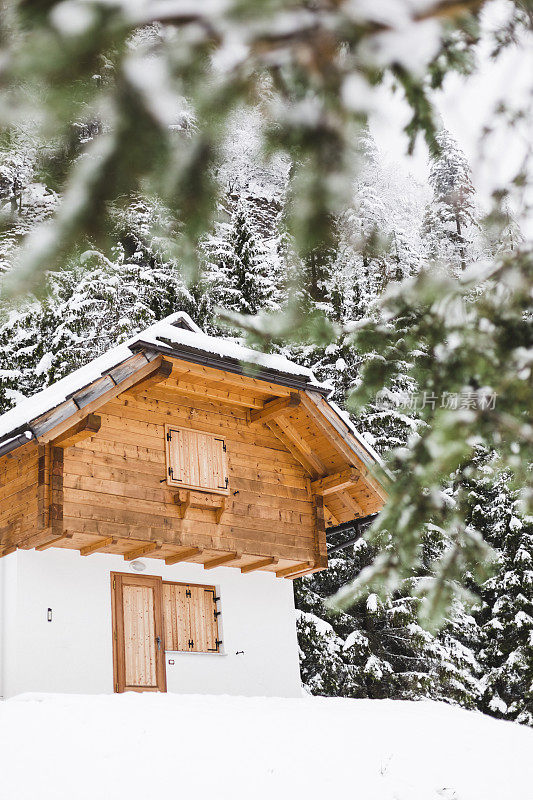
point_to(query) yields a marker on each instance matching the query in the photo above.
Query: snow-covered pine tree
(237, 273)
(24, 199)
(378, 242)
(501, 231)
(243, 267)
(86, 310)
(450, 223)
(505, 615)
(378, 649)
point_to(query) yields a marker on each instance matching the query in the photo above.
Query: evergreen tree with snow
(87, 309)
(377, 649)
(450, 222)
(237, 276)
(505, 615)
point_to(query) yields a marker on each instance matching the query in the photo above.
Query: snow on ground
(142, 746)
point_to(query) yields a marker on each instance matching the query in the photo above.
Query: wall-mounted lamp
(49, 615)
(138, 566)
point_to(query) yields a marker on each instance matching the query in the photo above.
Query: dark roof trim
(352, 524)
(357, 525)
(228, 364)
(26, 426)
(13, 443)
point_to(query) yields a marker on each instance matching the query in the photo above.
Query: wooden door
(138, 636)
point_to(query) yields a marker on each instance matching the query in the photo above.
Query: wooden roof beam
(185, 555)
(295, 568)
(231, 398)
(142, 551)
(99, 546)
(62, 418)
(219, 561)
(309, 571)
(297, 445)
(336, 482)
(338, 434)
(275, 407)
(161, 373)
(351, 504)
(245, 382)
(264, 562)
(82, 430)
(55, 540)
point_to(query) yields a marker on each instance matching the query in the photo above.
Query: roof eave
(228, 364)
(15, 442)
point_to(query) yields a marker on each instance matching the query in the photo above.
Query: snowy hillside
(145, 746)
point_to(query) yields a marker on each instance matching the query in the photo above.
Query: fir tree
(505, 615)
(237, 275)
(87, 309)
(450, 220)
(377, 648)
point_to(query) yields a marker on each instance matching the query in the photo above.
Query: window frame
(206, 587)
(171, 481)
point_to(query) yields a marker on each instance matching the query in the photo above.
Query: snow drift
(140, 746)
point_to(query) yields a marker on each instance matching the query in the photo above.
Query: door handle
(158, 640)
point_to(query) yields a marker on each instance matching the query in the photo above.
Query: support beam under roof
(275, 407)
(295, 568)
(161, 373)
(336, 482)
(97, 547)
(264, 562)
(53, 541)
(219, 561)
(220, 395)
(81, 430)
(142, 551)
(185, 555)
(351, 504)
(297, 445)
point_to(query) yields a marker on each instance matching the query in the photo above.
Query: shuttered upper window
(190, 618)
(196, 460)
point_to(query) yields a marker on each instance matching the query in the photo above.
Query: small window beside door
(190, 618)
(196, 460)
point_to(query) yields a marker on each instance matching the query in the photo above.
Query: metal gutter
(13, 443)
(228, 364)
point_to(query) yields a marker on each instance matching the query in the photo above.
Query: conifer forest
(222, 158)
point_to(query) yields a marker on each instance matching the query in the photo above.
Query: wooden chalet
(168, 448)
(184, 448)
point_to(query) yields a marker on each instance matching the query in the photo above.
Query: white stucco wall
(73, 653)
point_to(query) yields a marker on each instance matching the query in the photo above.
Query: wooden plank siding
(105, 486)
(19, 495)
(115, 482)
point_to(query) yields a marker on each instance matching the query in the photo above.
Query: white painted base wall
(73, 652)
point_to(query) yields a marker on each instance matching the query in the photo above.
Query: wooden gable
(97, 479)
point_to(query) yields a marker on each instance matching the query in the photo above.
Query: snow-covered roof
(353, 430)
(175, 335)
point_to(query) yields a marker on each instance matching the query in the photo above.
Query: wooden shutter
(196, 460)
(190, 618)
(219, 464)
(203, 623)
(175, 616)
